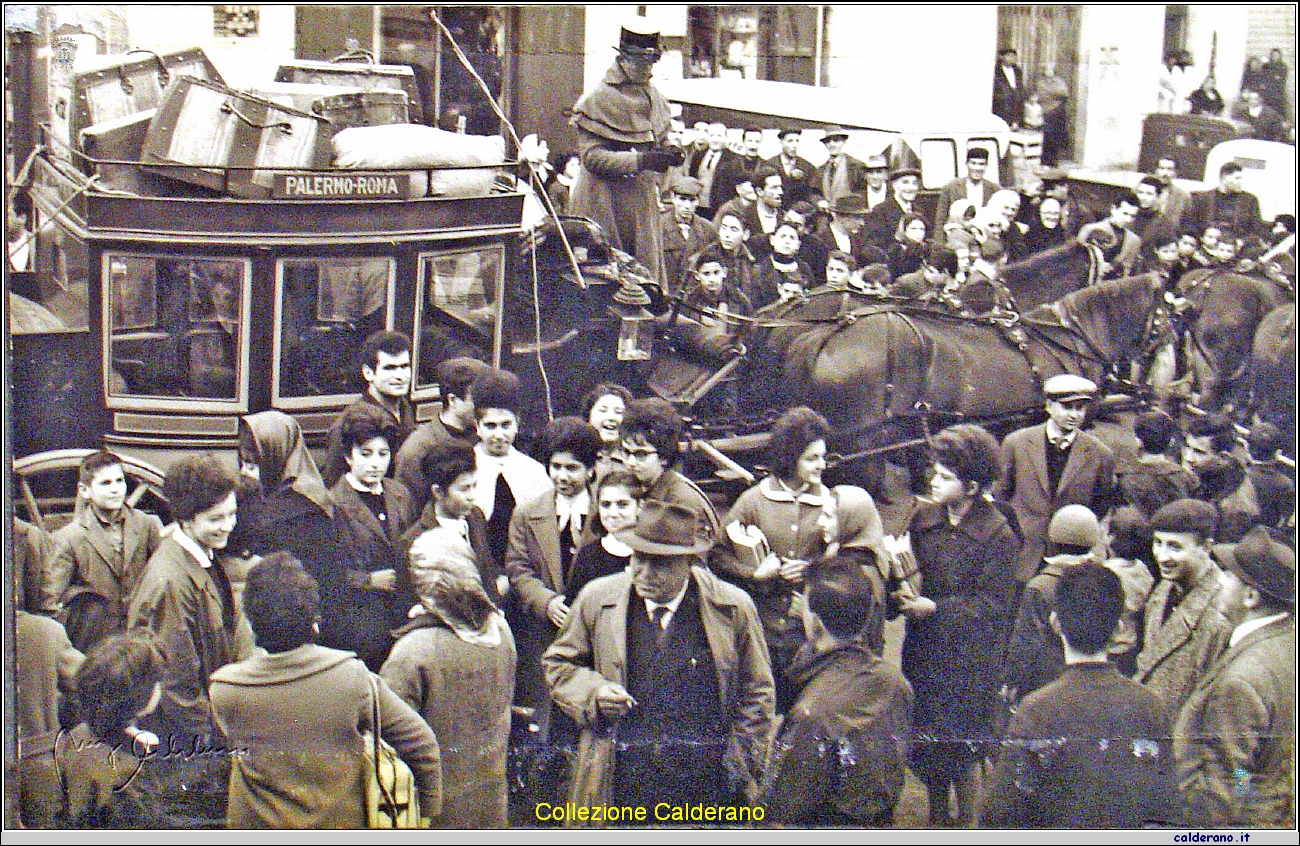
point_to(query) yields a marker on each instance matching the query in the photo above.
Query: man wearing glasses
(652, 433)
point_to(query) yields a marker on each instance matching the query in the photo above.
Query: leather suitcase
(231, 141)
(355, 70)
(130, 84)
(363, 108)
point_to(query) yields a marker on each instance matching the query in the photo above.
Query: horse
(881, 367)
(1229, 308)
(1047, 276)
(1273, 368)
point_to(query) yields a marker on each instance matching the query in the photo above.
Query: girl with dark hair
(776, 530)
(101, 763)
(359, 588)
(603, 407)
(1130, 559)
(297, 712)
(966, 551)
(618, 497)
(909, 247)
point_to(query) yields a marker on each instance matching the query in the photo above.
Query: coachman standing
(621, 126)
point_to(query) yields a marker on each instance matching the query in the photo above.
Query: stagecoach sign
(339, 186)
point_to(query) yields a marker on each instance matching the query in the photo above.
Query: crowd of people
(584, 624)
(1262, 107)
(1098, 611)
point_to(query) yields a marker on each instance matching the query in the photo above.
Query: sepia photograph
(739, 418)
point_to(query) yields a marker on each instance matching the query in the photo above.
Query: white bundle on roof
(415, 146)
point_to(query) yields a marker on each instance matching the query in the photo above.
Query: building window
(781, 43)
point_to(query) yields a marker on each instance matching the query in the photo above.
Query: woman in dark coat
(956, 630)
(283, 503)
(1206, 100)
(360, 595)
(454, 664)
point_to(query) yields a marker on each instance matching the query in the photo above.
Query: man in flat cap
(1184, 631)
(1235, 738)
(685, 233)
(665, 669)
(876, 175)
(1055, 464)
(796, 172)
(622, 126)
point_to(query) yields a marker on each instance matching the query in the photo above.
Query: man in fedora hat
(665, 669)
(844, 230)
(1235, 738)
(882, 221)
(622, 125)
(685, 233)
(1054, 464)
(841, 175)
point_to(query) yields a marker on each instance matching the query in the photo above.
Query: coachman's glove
(659, 159)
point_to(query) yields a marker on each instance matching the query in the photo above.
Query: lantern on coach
(635, 322)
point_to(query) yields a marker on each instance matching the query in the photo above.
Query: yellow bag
(392, 799)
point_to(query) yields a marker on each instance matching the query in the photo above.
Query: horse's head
(1114, 317)
(1229, 307)
(1052, 274)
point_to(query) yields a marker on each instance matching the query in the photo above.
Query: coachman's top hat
(638, 37)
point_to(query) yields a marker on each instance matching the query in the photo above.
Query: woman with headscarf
(1045, 231)
(961, 214)
(454, 663)
(283, 503)
(1007, 203)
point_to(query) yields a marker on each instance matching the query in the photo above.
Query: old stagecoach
(150, 319)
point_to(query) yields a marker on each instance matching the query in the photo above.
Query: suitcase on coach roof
(128, 84)
(363, 108)
(357, 69)
(231, 141)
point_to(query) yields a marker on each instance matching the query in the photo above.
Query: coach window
(175, 331)
(456, 309)
(325, 308)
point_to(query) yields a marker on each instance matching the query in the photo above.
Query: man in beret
(1185, 631)
(1235, 738)
(796, 172)
(973, 186)
(685, 233)
(1055, 464)
(622, 125)
(665, 669)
